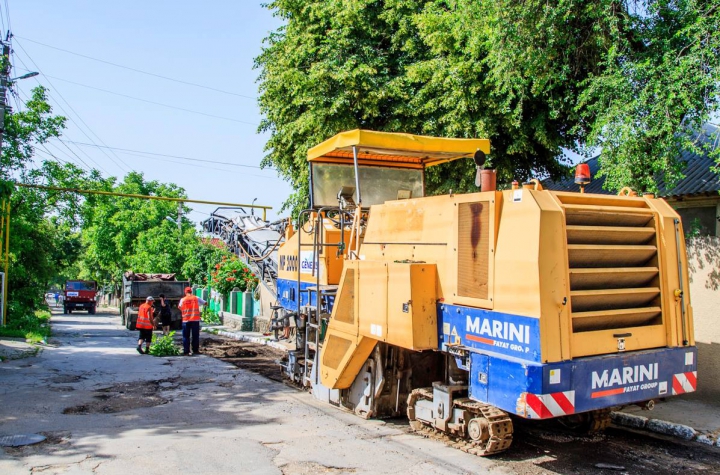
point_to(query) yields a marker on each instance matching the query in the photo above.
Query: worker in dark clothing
(165, 315)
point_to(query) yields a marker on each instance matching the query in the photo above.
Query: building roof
(698, 176)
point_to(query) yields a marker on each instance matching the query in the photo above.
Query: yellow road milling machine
(463, 309)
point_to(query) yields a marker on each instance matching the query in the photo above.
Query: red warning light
(582, 174)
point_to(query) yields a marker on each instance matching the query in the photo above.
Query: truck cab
(80, 295)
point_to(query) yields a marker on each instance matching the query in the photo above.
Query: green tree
(125, 234)
(200, 258)
(633, 77)
(43, 239)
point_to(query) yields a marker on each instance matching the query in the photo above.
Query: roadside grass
(35, 328)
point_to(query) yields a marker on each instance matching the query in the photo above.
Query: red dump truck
(80, 295)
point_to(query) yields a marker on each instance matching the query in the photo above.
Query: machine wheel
(129, 322)
(91, 311)
(176, 319)
(587, 422)
(489, 430)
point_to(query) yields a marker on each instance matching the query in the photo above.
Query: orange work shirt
(145, 317)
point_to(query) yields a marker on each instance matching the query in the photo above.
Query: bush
(229, 274)
(34, 327)
(210, 316)
(164, 345)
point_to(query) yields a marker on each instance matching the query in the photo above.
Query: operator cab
(365, 168)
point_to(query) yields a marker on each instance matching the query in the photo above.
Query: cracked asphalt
(105, 409)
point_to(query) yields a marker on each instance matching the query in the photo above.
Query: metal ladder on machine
(313, 320)
(314, 327)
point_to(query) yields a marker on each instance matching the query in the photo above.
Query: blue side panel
(505, 381)
(490, 332)
(287, 294)
(535, 390)
(624, 378)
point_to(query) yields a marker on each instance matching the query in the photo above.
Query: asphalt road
(105, 409)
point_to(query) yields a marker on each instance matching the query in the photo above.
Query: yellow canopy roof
(395, 149)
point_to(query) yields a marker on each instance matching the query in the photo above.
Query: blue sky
(212, 44)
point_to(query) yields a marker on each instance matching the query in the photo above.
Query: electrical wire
(204, 167)
(66, 146)
(18, 105)
(2, 18)
(137, 70)
(56, 158)
(88, 167)
(166, 155)
(150, 102)
(69, 117)
(127, 168)
(7, 15)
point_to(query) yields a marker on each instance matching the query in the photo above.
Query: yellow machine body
(588, 267)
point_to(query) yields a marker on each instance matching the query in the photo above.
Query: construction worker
(145, 325)
(190, 307)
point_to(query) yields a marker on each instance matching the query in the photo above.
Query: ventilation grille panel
(613, 266)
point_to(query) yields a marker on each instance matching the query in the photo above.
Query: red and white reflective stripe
(544, 406)
(684, 382)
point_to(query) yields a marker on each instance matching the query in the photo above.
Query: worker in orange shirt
(190, 307)
(145, 325)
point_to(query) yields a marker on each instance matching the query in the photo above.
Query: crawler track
(495, 436)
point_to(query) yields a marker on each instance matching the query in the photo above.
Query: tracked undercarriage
(471, 426)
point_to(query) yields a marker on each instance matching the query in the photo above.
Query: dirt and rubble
(259, 359)
(106, 409)
(539, 447)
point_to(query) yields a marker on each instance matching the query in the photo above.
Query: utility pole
(5, 203)
(179, 220)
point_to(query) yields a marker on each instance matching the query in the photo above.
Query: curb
(252, 339)
(665, 428)
(19, 353)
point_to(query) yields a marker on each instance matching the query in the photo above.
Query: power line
(138, 70)
(58, 159)
(88, 167)
(7, 15)
(71, 150)
(167, 155)
(204, 167)
(76, 114)
(2, 18)
(150, 102)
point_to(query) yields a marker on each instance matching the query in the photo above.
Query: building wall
(700, 214)
(704, 267)
(699, 220)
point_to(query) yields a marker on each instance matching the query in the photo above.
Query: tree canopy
(635, 78)
(58, 235)
(124, 234)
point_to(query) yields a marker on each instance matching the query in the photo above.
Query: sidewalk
(676, 417)
(16, 348)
